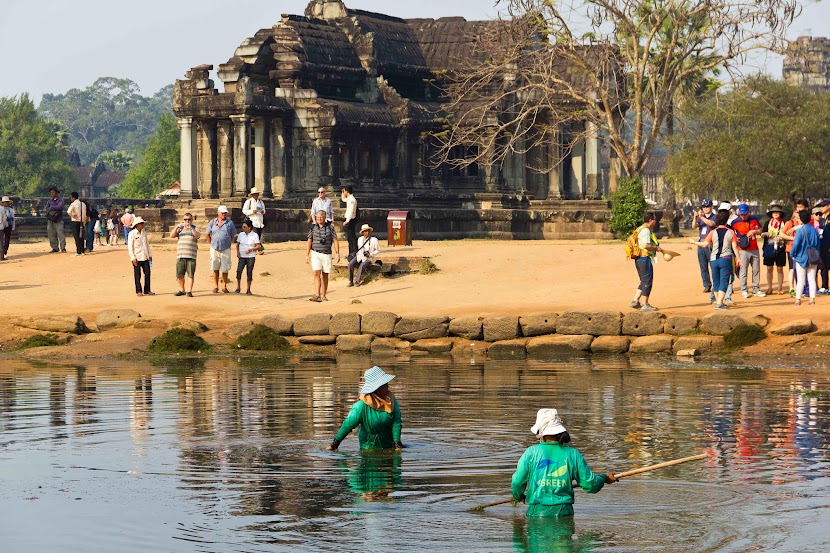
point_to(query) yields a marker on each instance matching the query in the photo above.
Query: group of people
(88, 227)
(7, 226)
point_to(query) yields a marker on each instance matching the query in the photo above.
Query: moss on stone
(261, 338)
(428, 267)
(39, 341)
(176, 340)
(743, 335)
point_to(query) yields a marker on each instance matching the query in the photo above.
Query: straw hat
(374, 378)
(548, 423)
(365, 227)
(253, 191)
(6, 199)
(137, 221)
(668, 255)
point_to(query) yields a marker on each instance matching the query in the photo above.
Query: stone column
(577, 191)
(206, 155)
(241, 168)
(187, 158)
(260, 166)
(489, 168)
(278, 180)
(592, 184)
(224, 142)
(555, 161)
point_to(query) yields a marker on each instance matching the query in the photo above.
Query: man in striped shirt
(186, 250)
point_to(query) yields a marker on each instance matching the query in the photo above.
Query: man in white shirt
(350, 218)
(79, 216)
(254, 209)
(367, 249)
(141, 256)
(321, 203)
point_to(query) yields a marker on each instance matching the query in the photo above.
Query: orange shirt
(788, 230)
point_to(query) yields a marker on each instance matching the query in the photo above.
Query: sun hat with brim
(548, 423)
(668, 255)
(374, 378)
(253, 191)
(366, 227)
(6, 199)
(773, 208)
(137, 221)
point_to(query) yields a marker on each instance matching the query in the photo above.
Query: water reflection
(377, 474)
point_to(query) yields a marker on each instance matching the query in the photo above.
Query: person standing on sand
(321, 203)
(112, 227)
(775, 255)
(806, 256)
(247, 246)
(4, 223)
(186, 250)
(749, 226)
(127, 221)
(723, 247)
(54, 221)
(254, 210)
(546, 471)
(321, 238)
(350, 217)
(221, 232)
(79, 216)
(141, 256)
(704, 220)
(645, 266)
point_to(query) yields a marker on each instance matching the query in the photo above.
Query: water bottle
(151, 263)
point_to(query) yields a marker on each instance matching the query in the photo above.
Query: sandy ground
(476, 277)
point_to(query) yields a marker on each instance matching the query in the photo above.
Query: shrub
(39, 341)
(744, 335)
(261, 338)
(427, 267)
(628, 206)
(177, 339)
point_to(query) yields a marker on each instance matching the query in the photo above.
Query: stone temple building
(807, 63)
(340, 96)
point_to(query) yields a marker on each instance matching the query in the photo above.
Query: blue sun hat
(374, 378)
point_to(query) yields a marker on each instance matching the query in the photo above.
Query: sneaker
(822, 290)
(745, 294)
(648, 307)
(722, 306)
(711, 299)
(349, 285)
(179, 293)
(760, 294)
(190, 294)
(634, 305)
(149, 293)
(707, 289)
(728, 301)
(792, 293)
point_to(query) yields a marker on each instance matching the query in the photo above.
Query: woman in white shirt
(367, 249)
(247, 245)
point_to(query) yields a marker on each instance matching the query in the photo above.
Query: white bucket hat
(138, 221)
(548, 423)
(374, 378)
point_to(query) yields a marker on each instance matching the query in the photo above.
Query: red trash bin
(398, 229)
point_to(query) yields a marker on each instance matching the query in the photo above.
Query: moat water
(229, 456)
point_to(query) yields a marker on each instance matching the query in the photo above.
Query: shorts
(220, 260)
(779, 260)
(245, 263)
(185, 265)
(321, 262)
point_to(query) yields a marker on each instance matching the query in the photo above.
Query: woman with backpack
(724, 244)
(806, 257)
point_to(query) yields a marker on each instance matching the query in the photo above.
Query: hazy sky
(55, 45)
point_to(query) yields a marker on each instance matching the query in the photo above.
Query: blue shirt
(806, 237)
(824, 232)
(221, 238)
(704, 228)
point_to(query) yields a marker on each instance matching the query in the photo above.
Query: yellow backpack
(632, 245)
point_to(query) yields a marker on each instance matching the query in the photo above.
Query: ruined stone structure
(807, 63)
(340, 96)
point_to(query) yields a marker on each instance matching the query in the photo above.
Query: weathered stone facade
(807, 63)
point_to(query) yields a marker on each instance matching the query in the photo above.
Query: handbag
(769, 251)
(813, 256)
(354, 254)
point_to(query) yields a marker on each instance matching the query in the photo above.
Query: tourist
(247, 246)
(96, 229)
(127, 222)
(748, 226)
(775, 253)
(821, 224)
(321, 203)
(367, 249)
(376, 412)
(10, 225)
(89, 226)
(806, 256)
(186, 250)
(648, 246)
(350, 217)
(723, 247)
(704, 220)
(221, 232)
(4, 222)
(112, 227)
(78, 216)
(54, 221)
(788, 235)
(546, 472)
(321, 238)
(254, 210)
(141, 256)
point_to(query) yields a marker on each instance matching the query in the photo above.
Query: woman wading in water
(376, 412)
(546, 471)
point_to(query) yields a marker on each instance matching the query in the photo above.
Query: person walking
(321, 239)
(141, 256)
(321, 203)
(247, 246)
(648, 245)
(723, 247)
(806, 256)
(89, 226)
(750, 228)
(546, 471)
(10, 226)
(78, 216)
(376, 412)
(112, 227)
(221, 232)
(367, 249)
(774, 249)
(54, 220)
(127, 222)
(704, 220)
(254, 210)
(187, 249)
(350, 217)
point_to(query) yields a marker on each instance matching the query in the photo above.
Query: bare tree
(550, 65)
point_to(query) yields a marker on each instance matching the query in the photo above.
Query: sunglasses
(188, 219)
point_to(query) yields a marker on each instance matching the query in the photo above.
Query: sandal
(236, 291)
(225, 291)
(216, 290)
(797, 302)
(314, 298)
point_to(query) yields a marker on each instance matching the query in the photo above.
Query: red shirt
(744, 227)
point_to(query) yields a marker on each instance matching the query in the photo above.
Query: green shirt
(378, 429)
(547, 470)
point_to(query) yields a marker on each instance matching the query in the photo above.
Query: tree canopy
(33, 152)
(159, 165)
(109, 115)
(764, 140)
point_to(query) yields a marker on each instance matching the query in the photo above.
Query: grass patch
(261, 338)
(39, 341)
(176, 340)
(815, 393)
(743, 335)
(427, 267)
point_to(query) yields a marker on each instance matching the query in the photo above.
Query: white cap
(222, 209)
(548, 423)
(725, 205)
(321, 189)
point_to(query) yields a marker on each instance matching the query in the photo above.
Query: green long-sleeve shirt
(547, 470)
(378, 429)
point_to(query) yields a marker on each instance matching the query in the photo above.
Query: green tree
(159, 165)
(109, 115)
(118, 161)
(33, 152)
(764, 140)
(628, 206)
